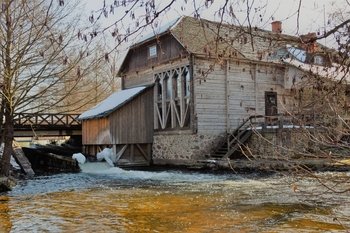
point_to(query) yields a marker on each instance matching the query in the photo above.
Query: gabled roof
(204, 37)
(163, 29)
(215, 39)
(112, 103)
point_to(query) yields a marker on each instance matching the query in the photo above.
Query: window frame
(151, 48)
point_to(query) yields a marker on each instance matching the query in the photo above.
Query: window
(159, 87)
(318, 60)
(152, 51)
(172, 101)
(167, 81)
(186, 81)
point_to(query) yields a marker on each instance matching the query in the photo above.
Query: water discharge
(105, 199)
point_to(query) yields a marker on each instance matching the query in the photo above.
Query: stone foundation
(278, 144)
(183, 149)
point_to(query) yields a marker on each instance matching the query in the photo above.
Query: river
(103, 199)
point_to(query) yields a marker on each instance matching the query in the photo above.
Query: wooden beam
(193, 122)
(149, 151)
(23, 161)
(227, 94)
(121, 152)
(132, 153)
(155, 100)
(164, 118)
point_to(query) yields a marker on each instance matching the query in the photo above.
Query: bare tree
(44, 56)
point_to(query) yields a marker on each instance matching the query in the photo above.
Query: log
(6, 184)
(23, 161)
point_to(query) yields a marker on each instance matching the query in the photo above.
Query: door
(270, 103)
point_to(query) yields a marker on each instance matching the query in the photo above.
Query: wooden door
(270, 103)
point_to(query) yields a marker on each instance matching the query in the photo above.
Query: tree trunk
(8, 140)
(2, 131)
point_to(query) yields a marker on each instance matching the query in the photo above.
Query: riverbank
(7, 183)
(260, 165)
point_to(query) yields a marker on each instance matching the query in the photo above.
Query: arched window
(167, 82)
(172, 105)
(186, 81)
(159, 86)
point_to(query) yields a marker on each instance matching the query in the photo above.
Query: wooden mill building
(123, 122)
(200, 81)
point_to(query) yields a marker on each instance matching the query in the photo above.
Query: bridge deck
(29, 124)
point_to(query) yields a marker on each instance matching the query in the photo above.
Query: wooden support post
(227, 94)
(182, 96)
(114, 149)
(155, 99)
(132, 153)
(193, 121)
(164, 108)
(255, 88)
(172, 98)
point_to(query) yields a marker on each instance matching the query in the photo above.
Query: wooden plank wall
(210, 99)
(96, 132)
(133, 123)
(146, 76)
(168, 48)
(245, 92)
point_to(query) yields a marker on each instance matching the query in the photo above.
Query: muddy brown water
(103, 199)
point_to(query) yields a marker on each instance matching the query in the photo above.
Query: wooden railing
(239, 136)
(45, 120)
(282, 120)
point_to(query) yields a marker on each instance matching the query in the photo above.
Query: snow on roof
(299, 54)
(335, 72)
(163, 28)
(112, 103)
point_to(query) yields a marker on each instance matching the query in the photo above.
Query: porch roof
(112, 103)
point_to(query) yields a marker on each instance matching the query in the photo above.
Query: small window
(152, 51)
(318, 60)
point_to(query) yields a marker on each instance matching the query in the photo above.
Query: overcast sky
(313, 15)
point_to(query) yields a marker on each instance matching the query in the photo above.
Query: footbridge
(46, 124)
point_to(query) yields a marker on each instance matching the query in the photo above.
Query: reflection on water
(106, 199)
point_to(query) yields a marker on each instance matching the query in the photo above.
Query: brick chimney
(309, 42)
(276, 26)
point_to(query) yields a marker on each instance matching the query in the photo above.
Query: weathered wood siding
(132, 79)
(209, 97)
(133, 123)
(168, 48)
(96, 132)
(146, 76)
(228, 93)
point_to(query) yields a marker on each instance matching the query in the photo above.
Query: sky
(314, 15)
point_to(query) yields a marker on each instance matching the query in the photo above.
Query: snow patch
(110, 104)
(79, 157)
(335, 72)
(107, 155)
(14, 164)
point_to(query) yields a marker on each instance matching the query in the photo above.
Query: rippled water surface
(102, 199)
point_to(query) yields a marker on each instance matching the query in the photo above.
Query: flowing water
(103, 199)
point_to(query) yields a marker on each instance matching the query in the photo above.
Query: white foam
(107, 155)
(103, 168)
(79, 157)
